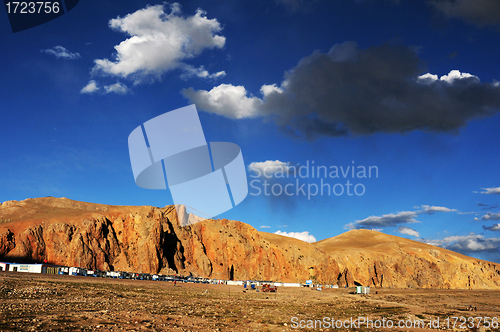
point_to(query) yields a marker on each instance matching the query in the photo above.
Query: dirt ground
(34, 302)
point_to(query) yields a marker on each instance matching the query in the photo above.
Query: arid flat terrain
(33, 302)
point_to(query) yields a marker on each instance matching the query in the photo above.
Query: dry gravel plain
(33, 302)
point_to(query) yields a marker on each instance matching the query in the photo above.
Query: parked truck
(269, 288)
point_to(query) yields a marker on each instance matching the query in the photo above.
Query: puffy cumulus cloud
(359, 91)
(303, 236)
(227, 100)
(467, 244)
(477, 12)
(159, 42)
(116, 88)
(450, 78)
(271, 88)
(490, 191)
(408, 231)
(91, 87)
(62, 52)
(493, 228)
(269, 168)
(491, 216)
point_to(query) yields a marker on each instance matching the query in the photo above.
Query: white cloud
(160, 42)
(190, 71)
(387, 220)
(431, 209)
(303, 236)
(467, 243)
(268, 89)
(491, 216)
(490, 191)
(427, 78)
(450, 78)
(493, 228)
(62, 52)
(457, 75)
(265, 226)
(91, 87)
(226, 99)
(116, 88)
(408, 231)
(269, 168)
(394, 219)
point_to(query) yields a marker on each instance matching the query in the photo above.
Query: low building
(4, 266)
(33, 268)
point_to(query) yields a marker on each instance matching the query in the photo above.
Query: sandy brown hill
(149, 239)
(373, 257)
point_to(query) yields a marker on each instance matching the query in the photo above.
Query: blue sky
(409, 88)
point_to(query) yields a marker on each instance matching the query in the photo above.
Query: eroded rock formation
(149, 239)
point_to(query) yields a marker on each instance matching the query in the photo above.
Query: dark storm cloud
(477, 12)
(375, 90)
(359, 91)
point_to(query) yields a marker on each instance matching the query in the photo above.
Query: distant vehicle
(63, 270)
(96, 273)
(144, 276)
(77, 271)
(269, 288)
(113, 274)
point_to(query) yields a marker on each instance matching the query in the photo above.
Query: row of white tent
(77, 271)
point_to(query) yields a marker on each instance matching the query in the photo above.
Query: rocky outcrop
(149, 239)
(6, 242)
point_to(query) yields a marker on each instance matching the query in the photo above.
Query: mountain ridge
(150, 239)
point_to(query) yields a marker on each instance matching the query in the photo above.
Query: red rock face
(148, 239)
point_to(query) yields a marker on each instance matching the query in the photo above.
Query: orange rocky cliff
(149, 239)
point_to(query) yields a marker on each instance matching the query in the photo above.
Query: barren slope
(387, 260)
(149, 239)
